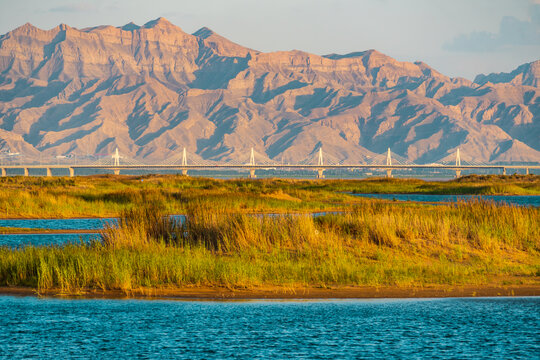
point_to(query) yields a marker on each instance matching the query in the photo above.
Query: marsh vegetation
(375, 243)
(108, 196)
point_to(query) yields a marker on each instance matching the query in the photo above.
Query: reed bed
(107, 196)
(375, 243)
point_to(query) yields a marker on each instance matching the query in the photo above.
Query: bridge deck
(248, 166)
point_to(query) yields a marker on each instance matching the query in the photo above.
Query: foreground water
(434, 328)
(520, 200)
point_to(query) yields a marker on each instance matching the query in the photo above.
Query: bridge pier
(252, 174)
(458, 173)
(49, 173)
(71, 172)
(184, 172)
(116, 171)
(504, 171)
(320, 173)
(25, 171)
(388, 173)
(527, 171)
(4, 172)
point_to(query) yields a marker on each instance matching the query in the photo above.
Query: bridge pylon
(389, 163)
(116, 161)
(116, 158)
(184, 162)
(458, 163)
(184, 157)
(252, 162)
(320, 162)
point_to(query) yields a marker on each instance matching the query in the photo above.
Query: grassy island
(229, 243)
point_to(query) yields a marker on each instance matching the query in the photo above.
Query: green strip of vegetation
(375, 243)
(108, 196)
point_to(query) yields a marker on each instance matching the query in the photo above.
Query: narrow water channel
(518, 200)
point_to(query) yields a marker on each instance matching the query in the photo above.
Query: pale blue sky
(456, 37)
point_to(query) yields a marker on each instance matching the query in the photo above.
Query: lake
(475, 328)
(519, 200)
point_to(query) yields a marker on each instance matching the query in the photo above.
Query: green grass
(375, 243)
(104, 196)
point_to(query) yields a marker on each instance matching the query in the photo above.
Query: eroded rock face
(152, 90)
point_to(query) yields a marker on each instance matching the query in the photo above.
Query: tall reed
(139, 227)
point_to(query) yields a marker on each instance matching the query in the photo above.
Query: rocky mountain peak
(160, 23)
(357, 54)
(130, 27)
(220, 44)
(203, 33)
(526, 74)
(26, 29)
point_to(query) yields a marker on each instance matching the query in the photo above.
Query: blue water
(484, 328)
(20, 240)
(65, 224)
(522, 200)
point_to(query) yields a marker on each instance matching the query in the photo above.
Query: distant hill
(151, 90)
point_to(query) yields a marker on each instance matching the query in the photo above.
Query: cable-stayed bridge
(253, 161)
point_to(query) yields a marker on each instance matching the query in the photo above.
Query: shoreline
(284, 293)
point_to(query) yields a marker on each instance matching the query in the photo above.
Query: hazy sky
(456, 37)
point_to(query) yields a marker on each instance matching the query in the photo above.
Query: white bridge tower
(320, 162)
(252, 162)
(116, 161)
(389, 163)
(458, 163)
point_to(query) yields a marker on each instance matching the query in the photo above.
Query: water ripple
(440, 328)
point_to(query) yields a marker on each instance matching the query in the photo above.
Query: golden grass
(375, 244)
(106, 196)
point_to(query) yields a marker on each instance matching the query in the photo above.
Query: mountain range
(152, 90)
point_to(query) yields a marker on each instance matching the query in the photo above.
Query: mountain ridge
(151, 90)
